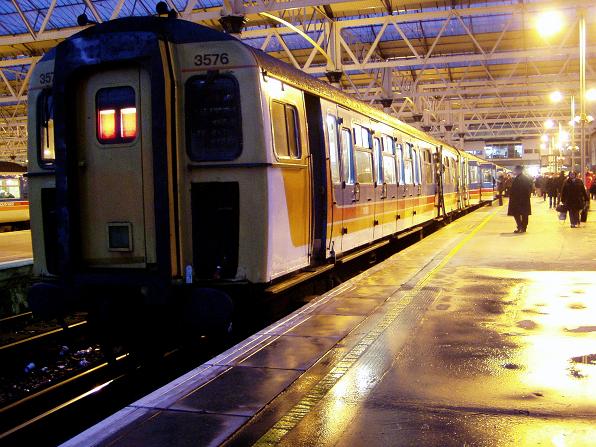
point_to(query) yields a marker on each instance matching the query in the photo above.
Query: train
(165, 156)
(14, 203)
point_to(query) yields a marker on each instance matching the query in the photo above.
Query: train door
(417, 193)
(335, 206)
(458, 183)
(410, 191)
(350, 191)
(390, 185)
(380, 187)
(363, 158)
(291, 234)
(402, 190)
(463, 173)
(115, 169)
(474, 186)
(428, 185)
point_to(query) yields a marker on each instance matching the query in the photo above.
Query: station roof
(466, 70)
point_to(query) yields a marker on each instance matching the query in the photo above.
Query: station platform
(475, 336)
(15, 248)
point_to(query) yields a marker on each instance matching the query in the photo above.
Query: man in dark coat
(519, 199)
(574, 197)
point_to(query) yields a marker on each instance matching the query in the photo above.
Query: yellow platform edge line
(292, 418)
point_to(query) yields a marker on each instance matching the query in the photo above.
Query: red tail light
(107, 124)
(128, 122)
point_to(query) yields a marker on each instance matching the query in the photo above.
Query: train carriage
(14, 203)
(165, 153)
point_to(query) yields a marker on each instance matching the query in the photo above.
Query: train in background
(167, 156)
(14, 202)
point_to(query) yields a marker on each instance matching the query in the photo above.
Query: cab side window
(45, 118)
(284, 120)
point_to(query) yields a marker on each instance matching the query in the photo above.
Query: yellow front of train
(148, 165)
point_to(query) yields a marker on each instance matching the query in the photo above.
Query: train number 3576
(212, 59)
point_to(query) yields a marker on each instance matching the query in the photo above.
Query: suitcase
(584, 213)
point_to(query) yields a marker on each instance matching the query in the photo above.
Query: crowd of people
(567, 193)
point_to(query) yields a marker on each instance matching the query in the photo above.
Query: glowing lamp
(107, 124)
(128, 122)
(556, 96)
(549, 23)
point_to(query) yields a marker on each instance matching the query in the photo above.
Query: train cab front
(116, 199)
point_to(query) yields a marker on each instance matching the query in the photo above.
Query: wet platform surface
(15, 246)
(475, 336)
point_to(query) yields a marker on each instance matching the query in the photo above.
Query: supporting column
(582, 91)
(334, 71)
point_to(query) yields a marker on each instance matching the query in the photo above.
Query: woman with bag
(574, 197)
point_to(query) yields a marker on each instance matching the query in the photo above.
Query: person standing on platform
(519, 199)
(574, 197)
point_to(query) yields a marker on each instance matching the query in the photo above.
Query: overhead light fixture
(549, 23)
(556, 96)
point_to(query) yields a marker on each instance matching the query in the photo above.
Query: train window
(361, 136)
(427, 168)
(388, 144)
(347, 156)
(284, 120)
(116, 115)
(473, 174)
(10, 188)
(378, 160)
(364, 167)
(487, 176)
(416, 163)
(333, 154)
(213, 118)
(447, 171)
(399, 153)
(408, 169)
(45, 111)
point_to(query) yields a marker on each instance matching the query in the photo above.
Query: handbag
(561, 208)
